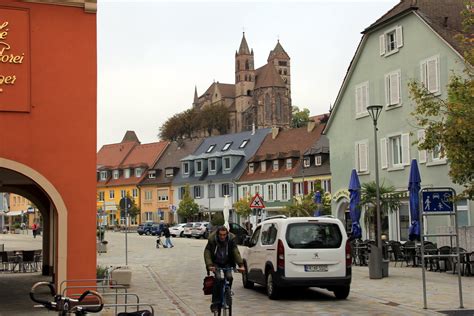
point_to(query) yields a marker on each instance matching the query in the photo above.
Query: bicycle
(225, 306)
(65, 305)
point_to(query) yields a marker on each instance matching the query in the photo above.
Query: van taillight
(280, 255)
(348, 254)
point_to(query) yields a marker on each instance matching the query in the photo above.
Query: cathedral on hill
(259, 97)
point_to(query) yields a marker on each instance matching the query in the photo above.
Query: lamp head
(374, 111)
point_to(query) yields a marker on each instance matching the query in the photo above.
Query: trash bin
(2, 247)
(375, 257)
(385, 265)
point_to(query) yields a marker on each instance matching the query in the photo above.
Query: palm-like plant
(389, 201)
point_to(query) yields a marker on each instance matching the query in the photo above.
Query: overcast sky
(151, 54)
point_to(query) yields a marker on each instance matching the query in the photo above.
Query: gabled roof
(171, 159)
(227, 90)
(290, 143)
(267, 76)
(112, 155)
(278, 52)
(443, 16)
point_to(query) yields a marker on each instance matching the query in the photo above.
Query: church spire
(244, 48)
(195, 96)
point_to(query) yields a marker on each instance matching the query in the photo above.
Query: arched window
(284, 72)
(238, 65)
(268, 109)
(279, 71)
(246, 65)
(278, 109)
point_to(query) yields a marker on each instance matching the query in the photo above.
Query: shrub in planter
(100, 272)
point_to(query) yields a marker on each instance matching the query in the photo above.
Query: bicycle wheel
(227, 310)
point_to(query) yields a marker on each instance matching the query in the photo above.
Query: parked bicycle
(66, 305)
(225, 306)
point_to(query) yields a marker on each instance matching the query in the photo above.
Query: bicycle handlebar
(49, 305)
(91, 308)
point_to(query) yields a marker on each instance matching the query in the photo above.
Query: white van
(299, 252)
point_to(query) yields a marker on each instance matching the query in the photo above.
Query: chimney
(275, 131)
(311, 125)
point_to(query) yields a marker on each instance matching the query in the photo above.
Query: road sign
(257, 202)
(125, 202)
(437, 201)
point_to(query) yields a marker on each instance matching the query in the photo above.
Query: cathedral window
(278, 110)
(249, 92)
(284, 71)
(246, 65)
(268, 108)
(279, 71)
(238, 65)
(282, 63)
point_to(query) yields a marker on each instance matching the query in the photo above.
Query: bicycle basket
(208, 284)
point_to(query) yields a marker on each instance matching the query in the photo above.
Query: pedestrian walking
(167, 234)
(34, 228)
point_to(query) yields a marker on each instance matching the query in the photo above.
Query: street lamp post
(374, 112)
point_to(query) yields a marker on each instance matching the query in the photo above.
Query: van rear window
(313, 235)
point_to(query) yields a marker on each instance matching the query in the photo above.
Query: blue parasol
(414, 185)
(354, 208)
(317, 200)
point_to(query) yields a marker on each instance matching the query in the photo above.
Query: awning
(14, 213)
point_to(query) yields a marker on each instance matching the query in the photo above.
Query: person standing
(34, 228)
(167, 234)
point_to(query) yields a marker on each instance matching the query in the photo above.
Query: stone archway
(58, 205)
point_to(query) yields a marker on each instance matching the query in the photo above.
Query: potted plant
(16, 228)
(100, 272)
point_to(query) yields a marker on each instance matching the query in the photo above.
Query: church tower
(244, 82)
(280, 59)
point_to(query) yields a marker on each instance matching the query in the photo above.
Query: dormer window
(185, 168)
(115, 174)
(275, 165)
(127, 173)
(251, 167)
(198, 166)
(244, 143)
(103, 175)
(306, 162)
(289, 163)
(318, 160)
(211, 147)
(226, 146)
(138, 172)
(212, 165)
(169, 172)
(151, 174)
(227, 163)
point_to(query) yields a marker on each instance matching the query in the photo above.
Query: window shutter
(432, 75)
(399, 35)
(423, 73)
(220, 190)
(358, 100)
(383, 153)
(394, 88)
(387, 89)
(406, 149)
(364, 163)
(231, 190)
(365, 97)
(278, 192)
(382, 44)
(421, 153)
(357, 165)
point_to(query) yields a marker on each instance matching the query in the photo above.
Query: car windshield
(313, 235)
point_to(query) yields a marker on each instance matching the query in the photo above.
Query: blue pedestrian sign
(437, 201)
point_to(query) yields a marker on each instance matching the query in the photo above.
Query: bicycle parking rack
(446, 207)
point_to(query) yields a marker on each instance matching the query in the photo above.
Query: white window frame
(211, 147)
(285, 192)
(123, 193)
(116, 174)
(403, 152)
(162, 195)
(263, 166)
(148, 195)
(430, 74)
(306, 162)
(362, 99)
(126, 173)
(224, 162)
(169, 172)
(244, 143)
(393, 91)
(134, 193)
(251, 167)
(151, 174)
(186, 165)
(103, 175)
(199, 166)
(213, 160)
(362, 156)
(111, 194)
(326, 185)
(275, 165)
(384, 48)
(318, 160)
(289, 164)
(270, 194)
(245, 191)
(101, 196)
(226, 146)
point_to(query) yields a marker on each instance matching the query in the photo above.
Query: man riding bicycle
(221, 252)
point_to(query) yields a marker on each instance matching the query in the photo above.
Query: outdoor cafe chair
(398, 253)
(462, 256)
(430, 249)
(4, 258)
(28, 262)
(447, 262)
(13, 261)
(38, 259)
(410, 252)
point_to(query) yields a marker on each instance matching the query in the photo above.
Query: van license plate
(316, 268)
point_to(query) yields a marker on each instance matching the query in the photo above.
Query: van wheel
(245, 281)
(272, 290)
(342, 292)
(181, 234)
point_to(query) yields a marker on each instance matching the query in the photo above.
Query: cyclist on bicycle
(221, 251)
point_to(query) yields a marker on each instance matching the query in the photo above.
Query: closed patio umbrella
(227, 206)
(414, 188)
(354, 209)
(317, 200)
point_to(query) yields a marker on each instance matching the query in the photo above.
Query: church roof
(130, 136)
(227, 90)
(244, 47)
(278, 52)
(267, 76)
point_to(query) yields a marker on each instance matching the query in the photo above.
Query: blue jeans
(168, 242)
(218, 284)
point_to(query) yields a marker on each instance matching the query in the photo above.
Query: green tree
(187, 208)
(448, 123)
(389, 201)
(302, 206)
(242, 206)
(299, 118)
(214, 117)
